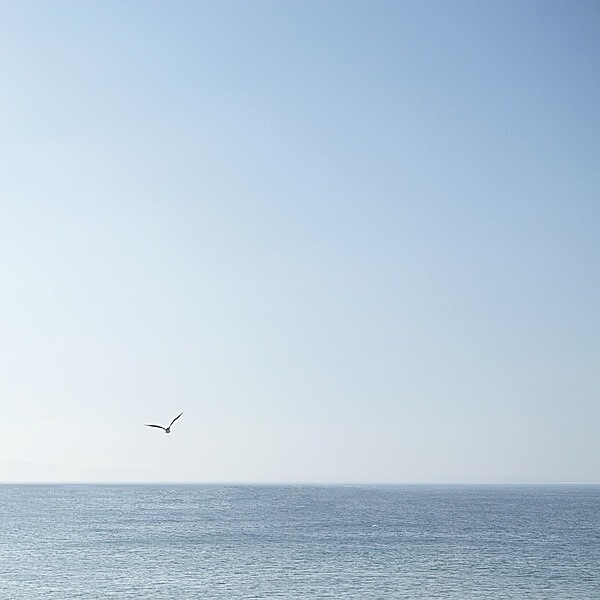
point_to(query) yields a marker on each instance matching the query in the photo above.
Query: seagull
(167, 429)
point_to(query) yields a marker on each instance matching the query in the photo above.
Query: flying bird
(166, 429)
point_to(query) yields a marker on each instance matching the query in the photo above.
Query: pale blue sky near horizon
(352, 241)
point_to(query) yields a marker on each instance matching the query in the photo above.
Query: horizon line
(307, 483)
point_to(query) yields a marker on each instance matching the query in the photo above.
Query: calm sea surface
(297, 542)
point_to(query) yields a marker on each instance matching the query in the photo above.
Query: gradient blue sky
(352, 241)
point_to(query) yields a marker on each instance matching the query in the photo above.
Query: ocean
(300, 542)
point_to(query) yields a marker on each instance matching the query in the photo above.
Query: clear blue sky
(352, 241)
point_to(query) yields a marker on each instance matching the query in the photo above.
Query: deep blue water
(300, 542)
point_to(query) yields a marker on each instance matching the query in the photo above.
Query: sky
(354, 242)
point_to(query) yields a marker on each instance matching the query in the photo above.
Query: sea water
(300, 542)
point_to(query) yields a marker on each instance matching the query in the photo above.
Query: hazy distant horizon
(257, 482)
(304, 483)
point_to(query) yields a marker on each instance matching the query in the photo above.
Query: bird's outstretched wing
(175, 419)
(159, 426)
